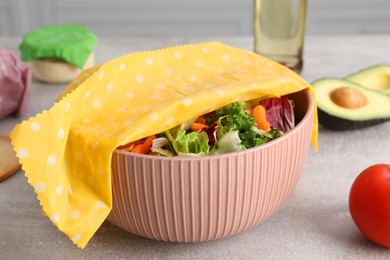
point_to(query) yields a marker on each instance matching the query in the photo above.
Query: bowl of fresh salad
(215, 175)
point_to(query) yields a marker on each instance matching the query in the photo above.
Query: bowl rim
(306, 117)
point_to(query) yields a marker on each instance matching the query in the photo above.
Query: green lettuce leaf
(189, 144)
(229, 142)
(234, 118)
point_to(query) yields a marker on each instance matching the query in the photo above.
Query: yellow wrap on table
(66, 151)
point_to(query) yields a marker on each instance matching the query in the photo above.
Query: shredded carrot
(144, 147)
(149, 141)
(139, 149)
(198, 126)
(201, 119)
(261, 119)
(129, 145)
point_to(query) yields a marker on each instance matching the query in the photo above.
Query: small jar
(58, 53)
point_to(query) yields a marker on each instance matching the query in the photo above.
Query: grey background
(187, 18)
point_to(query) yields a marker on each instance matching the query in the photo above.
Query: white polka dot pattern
(75, 214)
(51, 160)
(178, 55)
(40, 187)
(149, 61)
(97, 104)
(61, 133)
(22, 153)
(76, 238)
(67, 107)
(56, 218)
(139, 79)
(59, 190)
(35, 126)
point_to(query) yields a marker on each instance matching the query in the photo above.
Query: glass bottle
(279, 29)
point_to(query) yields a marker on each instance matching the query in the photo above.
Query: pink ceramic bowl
(198, 199)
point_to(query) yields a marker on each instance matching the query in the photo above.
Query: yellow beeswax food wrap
(66, 151)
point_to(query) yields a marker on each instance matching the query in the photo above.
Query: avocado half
(345, 105)
(375, 77)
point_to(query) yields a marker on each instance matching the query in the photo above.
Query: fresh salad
(235, 127)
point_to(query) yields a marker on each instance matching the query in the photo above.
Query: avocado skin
(341, 124)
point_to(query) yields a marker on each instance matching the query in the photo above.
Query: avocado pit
(347, 97)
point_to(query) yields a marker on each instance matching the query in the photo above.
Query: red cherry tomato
(369, 203)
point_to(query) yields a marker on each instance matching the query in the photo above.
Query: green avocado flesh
(376, 77)
(333, 116)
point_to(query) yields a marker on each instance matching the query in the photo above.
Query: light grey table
(314, 223)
